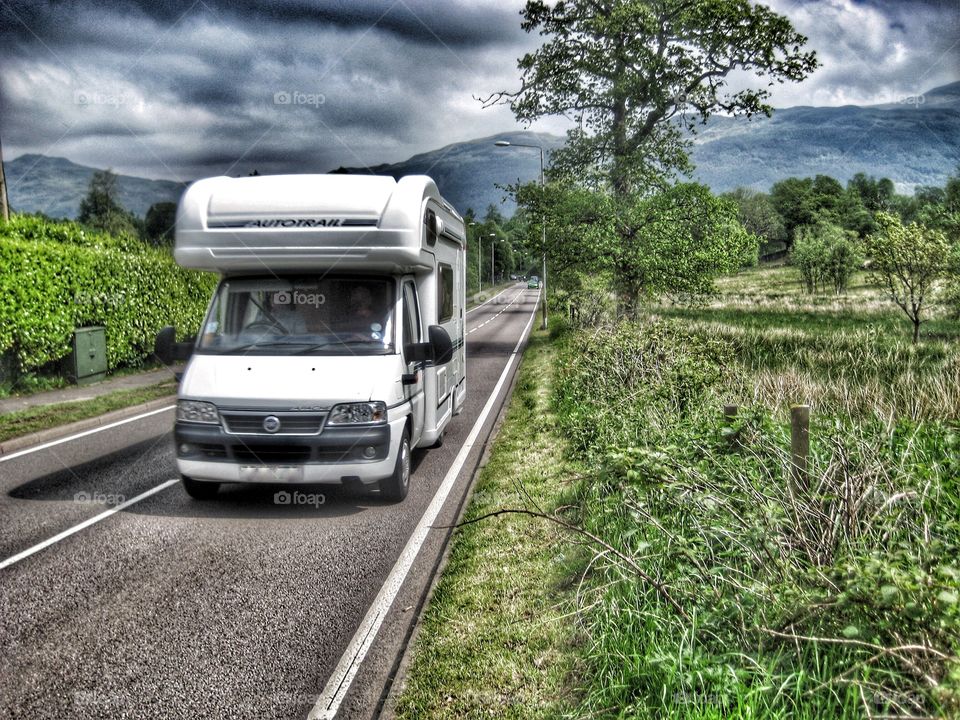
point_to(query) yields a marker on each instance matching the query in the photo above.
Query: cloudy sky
(190, 88)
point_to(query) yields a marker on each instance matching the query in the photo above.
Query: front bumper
(336, 455)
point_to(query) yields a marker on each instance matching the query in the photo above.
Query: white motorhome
(334, 343)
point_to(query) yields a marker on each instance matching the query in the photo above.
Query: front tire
(200, 490)
(395, 487)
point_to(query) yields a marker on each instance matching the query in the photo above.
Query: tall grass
(834, 599)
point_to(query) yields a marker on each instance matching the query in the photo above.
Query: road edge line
(402, 666)
(328, 703)
(487, 301)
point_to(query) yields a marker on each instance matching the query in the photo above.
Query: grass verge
(496, 639)
(31, 420)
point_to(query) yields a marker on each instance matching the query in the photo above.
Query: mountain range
(912, 142)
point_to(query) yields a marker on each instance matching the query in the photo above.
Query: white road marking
(86, 523)
(487, 301)
(336, 690)
(52, 443)
(507, 307)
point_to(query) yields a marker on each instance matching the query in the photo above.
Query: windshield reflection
(300, 316)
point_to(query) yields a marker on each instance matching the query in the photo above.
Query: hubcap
(405, 464)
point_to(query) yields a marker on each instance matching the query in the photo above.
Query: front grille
(251, 423)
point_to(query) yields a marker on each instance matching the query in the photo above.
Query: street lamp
(493, 254)
(543, 279)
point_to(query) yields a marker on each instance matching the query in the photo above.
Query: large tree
(633, 74)
(101, 209)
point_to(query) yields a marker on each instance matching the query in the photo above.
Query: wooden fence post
(730, 414)
(800, 446)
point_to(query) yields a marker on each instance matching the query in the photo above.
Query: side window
(445, 293)
(411, 315)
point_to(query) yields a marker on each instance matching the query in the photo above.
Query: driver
(362, 316)
(287, 314)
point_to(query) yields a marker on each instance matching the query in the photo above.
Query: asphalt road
(237, 608)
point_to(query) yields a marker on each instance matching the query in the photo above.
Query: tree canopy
(633, 74)
(101, 209)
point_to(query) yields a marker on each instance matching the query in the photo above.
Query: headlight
(198, 412)
(366, 413)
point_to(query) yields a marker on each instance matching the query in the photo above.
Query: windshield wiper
(340, 343)
(262, 343)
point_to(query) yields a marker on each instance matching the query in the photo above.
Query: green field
(846, 355)
(706, 579)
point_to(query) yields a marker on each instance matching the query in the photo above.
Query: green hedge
(56, 276)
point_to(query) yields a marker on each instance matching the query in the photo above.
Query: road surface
(122, 597)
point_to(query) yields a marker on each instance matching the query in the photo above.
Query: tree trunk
(916, 330)
(4, 207)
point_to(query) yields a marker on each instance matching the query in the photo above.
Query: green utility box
(88, 362)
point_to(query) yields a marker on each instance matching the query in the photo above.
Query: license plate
(271, 473)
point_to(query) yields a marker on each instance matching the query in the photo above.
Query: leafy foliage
(757, 214)
(58, 276)
(632, 74)
(678, 241)
(907, 260)
(826, 256)
(839, 601)
(101, 209)
(159, 222)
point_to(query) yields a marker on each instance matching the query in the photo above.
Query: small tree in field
(826, 256)
(907, 260)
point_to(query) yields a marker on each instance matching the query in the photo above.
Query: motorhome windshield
(301, 316)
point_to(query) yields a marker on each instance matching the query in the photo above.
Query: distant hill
(55, 186)
(468, 173)
(916, 142)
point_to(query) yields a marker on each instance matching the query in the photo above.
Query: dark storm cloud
(184, 89)
(414, 21)
(196, 86)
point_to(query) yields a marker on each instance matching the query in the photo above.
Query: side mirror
(163, 345)
(168, 350)
(441, 343)
(418, 352)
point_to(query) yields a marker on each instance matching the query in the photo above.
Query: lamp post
(543, 278)
(493, 255)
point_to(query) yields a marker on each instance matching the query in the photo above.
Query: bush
(730, 591)
(827, 256)
(56, 277)
(617, 381)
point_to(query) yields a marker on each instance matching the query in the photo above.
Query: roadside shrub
(55, 277)
(617, 381)
(731, 590)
